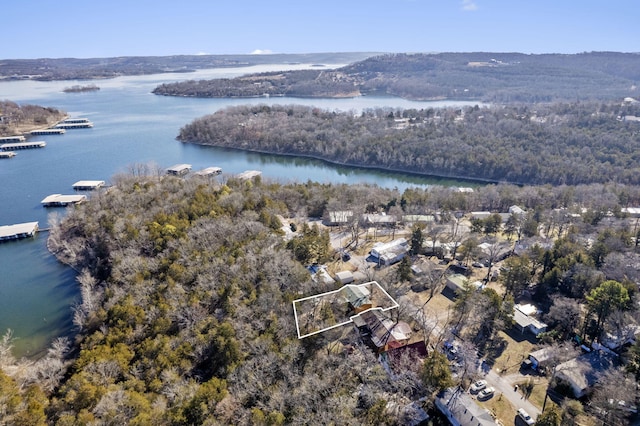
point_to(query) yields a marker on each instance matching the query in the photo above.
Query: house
(339, 217)
(379, 220)
(357, 297)
(389, 253)
(524, 319)
(582, 373)
(457, 282)
(381, 332)
(418, 218)
(516, 210)
(461, 410)
(541, 358)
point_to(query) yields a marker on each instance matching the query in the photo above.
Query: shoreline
(479, 181)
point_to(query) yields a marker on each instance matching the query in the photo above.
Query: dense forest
(489, 77)
(16, 119)
(558, 144)
(94, 68)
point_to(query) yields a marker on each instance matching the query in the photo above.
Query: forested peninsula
(483, 76)
(562, 143)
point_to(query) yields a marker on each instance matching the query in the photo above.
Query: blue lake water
(131, 126)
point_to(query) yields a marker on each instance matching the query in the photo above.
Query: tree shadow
(492, 349)
(519, 336)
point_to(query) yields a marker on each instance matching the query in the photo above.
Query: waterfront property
(22, 145)
(18, 231)
(209, 171)
(59, 200)
(47, 132)
(88, 185)
(179, 169)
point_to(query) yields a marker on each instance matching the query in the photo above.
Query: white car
(525, 416)
(486, 393)
(478, 386)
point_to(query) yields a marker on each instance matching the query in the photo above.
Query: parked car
(525, 416)
(486, 393)
(478, 386)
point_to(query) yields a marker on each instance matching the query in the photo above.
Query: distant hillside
(72, 68)
(492, 77)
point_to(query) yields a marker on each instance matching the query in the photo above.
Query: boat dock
(47, 132)
(74, 123)
(17, 231)
(22, 145)
(88, 185)
(209, 171)
(59, 200)
(249, 174)
(7, 154)
(179, 169)
(12, 139)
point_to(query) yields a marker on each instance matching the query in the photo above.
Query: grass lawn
(500, 408)
(515, 348)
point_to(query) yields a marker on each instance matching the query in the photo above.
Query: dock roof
(60, 199)
(7, 231)
(81, 184)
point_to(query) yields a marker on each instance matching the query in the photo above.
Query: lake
(131, 126)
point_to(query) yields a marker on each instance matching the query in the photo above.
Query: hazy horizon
(145, 28)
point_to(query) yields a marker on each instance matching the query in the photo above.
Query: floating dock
(59, 200)
(7, 154)
(88, 185)
(249, 174)
(47, 132)
(22, 145)
(179, 169)
(73, 125)
(209, 171)
(12, 139)
(17, 231)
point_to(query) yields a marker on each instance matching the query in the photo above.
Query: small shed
(344, 277)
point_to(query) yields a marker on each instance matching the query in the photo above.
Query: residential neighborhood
(523, 364)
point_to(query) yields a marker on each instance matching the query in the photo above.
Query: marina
(88, 185)
(42, 132)
(22, 145)
(59, 200)
(18, 231)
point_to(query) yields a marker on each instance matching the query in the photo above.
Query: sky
(109, 28)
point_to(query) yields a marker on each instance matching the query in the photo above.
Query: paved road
(504, 385)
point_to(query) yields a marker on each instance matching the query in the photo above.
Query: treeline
(89, 68)
(16, 119)
(558, 144)
(304, 83)
(490, 77)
